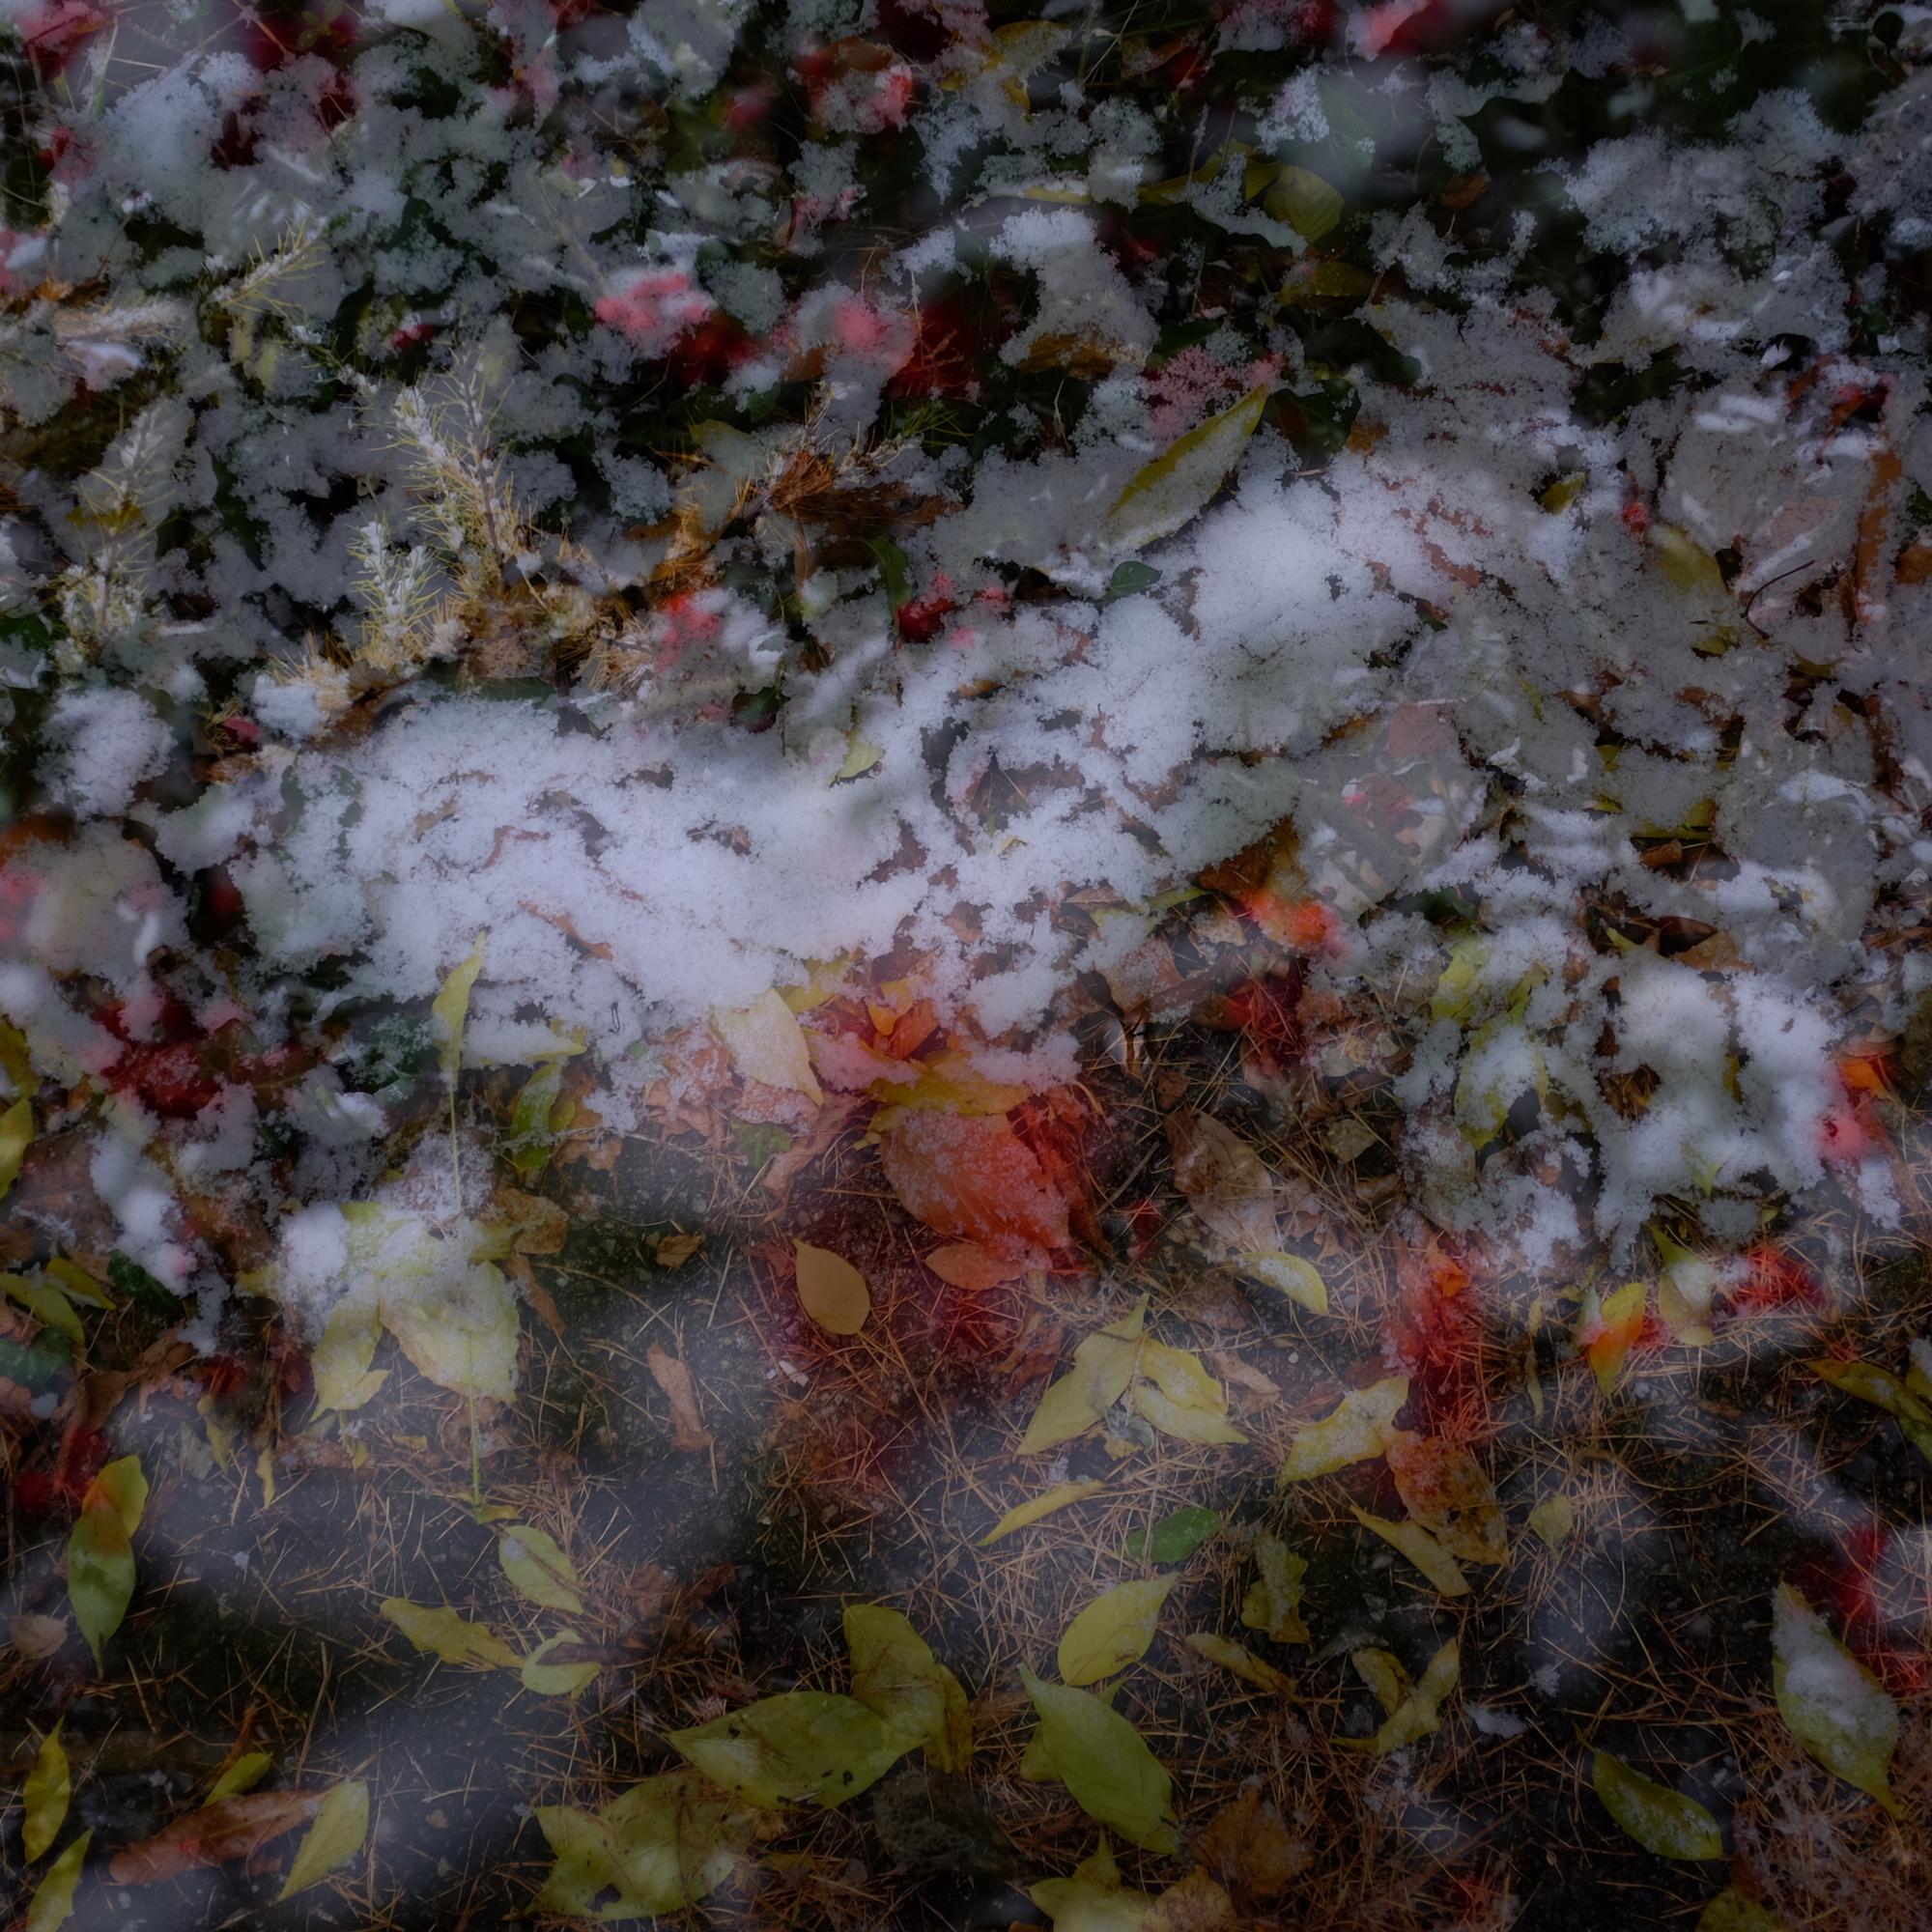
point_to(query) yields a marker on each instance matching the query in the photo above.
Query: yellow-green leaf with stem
(1422, 1549)
(449, 1634)
(1095, 1900)
(557, 1680)
(334, 1838)
(896, 1676)
(798, 1745)
(458, 1325)
(1382, 1672)
(53, 1902)
(1113, 1631)
(1882, 1390)
(540, 1571)
(49, 1307)
(1274, 1599)
(243, 1774)
(1032, 1511)
(1299, 1280)
(1103, 1367)
(99, 1574)
(1353, 1430)
(1242, 1660)
(1177, 485)
(17, 1136)
(45, 1797)
(1105, 1764)
(340, 1361)
(1660, 1819)
(533, 1127)
(1180, 1398)
(123, 1487)
(1830, 1703)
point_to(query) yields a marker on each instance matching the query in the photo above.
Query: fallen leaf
(1352, 1432)
(532, 1561)
(34, 1636)
(1113, 1631)
(558, 1680)
(233, 1828)
(53, 1899)
(675, 1378)
(1031, 1510)
(767, 1046)
(830, 1290)
(1305, 202)
(1660, 1819)
(1274, 1599)
(17, 1136)
(798, 1745)
(1084, 1903)
(1103, 1366)
(1684, 1292)
(1299, 1280)
(1177, 485)
(334, 1838)
(1422, 1549)
(1552, 1519)
(1912, 1411)
(1104, 1763)
(450, 1008)
(895, 1675)
(1830, 1703)
(122, 1486)
(1382, 1672)
(1449, 1493)
(1735, 1911)
(969, 1176)
(49, 1307)
(1179, 1397)
(457, 1323)
(1606, 1331)
(99, 1574)
(1250, 1849)
(45, 1797)
(243, 1774)
(447, 1634)
(968, 1265)
(538, 1116)
(1418, 1711)
(1175, 1538)
(341, 1359)
(1242, 1660)
(672, 1251)
(1226, 1183)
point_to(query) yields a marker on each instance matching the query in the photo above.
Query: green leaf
(540, 1569)
(530, 1138)
(141, 1288)
(99, 1574)
(1882, 1390)
(449, 1634)
(1354, 1430)
(123, 1487)
(1175, 1537)
(17, 1136)
(1131, 577)
(35, 1364)
(800, 1744)
(243, 1774)
(1274, 1599)
(1113, 1631)
(448, 1011)
(1104, 1763)
(1173, 489)
(1660, 1819)
(334, 1840)
(558, 1680)
(1305, 202)
(895, 1675)
(45, 1797)
(54, 1901)
(1103, 1366)
(1832, 1704)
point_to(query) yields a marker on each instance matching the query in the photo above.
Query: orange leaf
(234, 1828)
(968, 1265)
(971, 1176)
(675, 1378)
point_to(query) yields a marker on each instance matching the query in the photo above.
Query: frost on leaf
(1273, 1601)
(1832, 1704)
(1355, 1430)
(1175, 487)
(1660, 1819)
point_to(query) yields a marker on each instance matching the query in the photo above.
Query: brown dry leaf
(830, 1290)
(1250, 1850)
(968, 1265)
(672, 1251)
(535, 1293)
(675, 1378)
(1230, 1368)
(1225, 1181)
(1448, 1492)
(235, 1829)
(36, 1636)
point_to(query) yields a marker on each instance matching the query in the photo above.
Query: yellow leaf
(54, 1901)
(896, 1676)
(798, 1745)
(1882, 1390)
(1684, 1292)
(1735, 1911)
(99, 1574)
(340, 1362)
(830, 1290)
(1563, 492)
(1274, 1599)
(447, 1012)
(448, 1634)
(49, 1307)
(17, 1136)
(1660, 1819)
(1299, 1280)
(557, 1680)
(1352, 1432)
(1305, 202)
(1113, 1631)
(1422, 1549)
(1606, 1333)
(16, 1061)
(1242, 1660)
(80, 1286)
(1418, 1711)
(948, 1083)
(1055, 1498)
(861, 756)
(334, 1840)
(1086, 1903)
(1382, 1672)
(767, 1046)
(540, 1569)
(243, 1774)
(1176, 486)
(1686, 565)
(1449, 1493)
(1105, 1764)
(1185, 1402)
(457, 1324)
(1103, 1366)
(1830, 1703)
(45, 1796)
(220, 1444)
(1552, 1519)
